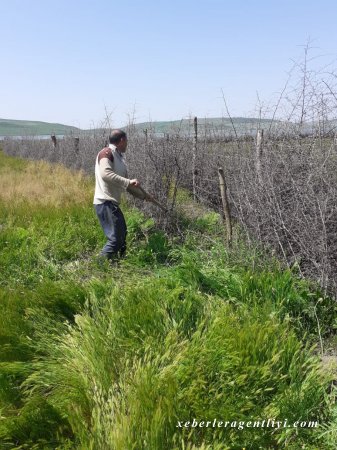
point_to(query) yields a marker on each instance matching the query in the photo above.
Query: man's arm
(109, 176)
(105, 158)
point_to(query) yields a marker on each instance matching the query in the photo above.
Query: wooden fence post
(259, 150)
(146, 135)
(194, 156)
(77, 144)
(225, 204)
(54, 140)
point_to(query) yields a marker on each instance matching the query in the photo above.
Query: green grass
(94, 357)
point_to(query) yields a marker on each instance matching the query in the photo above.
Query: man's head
(119, 139)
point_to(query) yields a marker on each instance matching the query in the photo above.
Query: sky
(79, 62)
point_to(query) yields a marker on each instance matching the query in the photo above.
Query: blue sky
(71, 61)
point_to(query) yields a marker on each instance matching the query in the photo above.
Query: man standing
(111, 181)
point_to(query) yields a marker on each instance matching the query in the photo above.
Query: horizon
(2, 119)
(156, 62)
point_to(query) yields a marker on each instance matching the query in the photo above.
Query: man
(111, 181)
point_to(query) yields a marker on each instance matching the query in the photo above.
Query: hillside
(242, 125)
(33, 128)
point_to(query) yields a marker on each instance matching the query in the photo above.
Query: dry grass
(44, 184)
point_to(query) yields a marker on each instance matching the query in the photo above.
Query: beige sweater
(112, 177)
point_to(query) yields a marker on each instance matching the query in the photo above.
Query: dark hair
(116, 136)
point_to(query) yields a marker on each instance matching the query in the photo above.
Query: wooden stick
(194, 156)
(152, 200)
(146, 196)
(225, 203)
(259, 150)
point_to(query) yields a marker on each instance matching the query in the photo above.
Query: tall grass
(151, 354)
(94, 357)
(40, 183)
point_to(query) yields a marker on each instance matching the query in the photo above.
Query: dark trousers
(113, 223)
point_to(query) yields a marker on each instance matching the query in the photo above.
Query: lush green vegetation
(101, 357)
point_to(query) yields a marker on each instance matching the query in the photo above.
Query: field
(100, 357)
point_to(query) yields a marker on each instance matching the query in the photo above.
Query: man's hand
(134, 182)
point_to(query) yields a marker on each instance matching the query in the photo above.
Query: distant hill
(33, 128)
(242, 125)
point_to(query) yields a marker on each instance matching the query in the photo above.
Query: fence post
(77, 144)
(259, 150)
(225, 204)
(194, 156)
(146, 135)
(54, 140)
